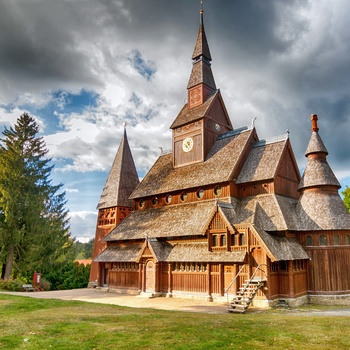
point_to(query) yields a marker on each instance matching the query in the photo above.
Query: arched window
(308, 240)
(347, 240)
(336, 240)
(323, 240)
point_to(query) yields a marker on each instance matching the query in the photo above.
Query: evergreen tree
(33, 220)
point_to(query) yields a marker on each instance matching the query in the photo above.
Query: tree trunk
(9, 262)
(3, 269)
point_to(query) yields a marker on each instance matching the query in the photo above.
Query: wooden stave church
(221, 207)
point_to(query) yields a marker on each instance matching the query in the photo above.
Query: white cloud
(83, 225)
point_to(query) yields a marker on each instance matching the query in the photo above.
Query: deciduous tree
(346, 199)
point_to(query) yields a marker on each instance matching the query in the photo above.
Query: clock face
(187, 144)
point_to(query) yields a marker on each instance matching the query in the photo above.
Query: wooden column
(209, 297)
(268, 282)
(291, 279)
(142, 279)
(170, 281)
(156, 277)
(221, 279)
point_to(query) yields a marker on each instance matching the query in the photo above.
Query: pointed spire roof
(122, 179)
(201, 70)
(317, 172)
(201, 48)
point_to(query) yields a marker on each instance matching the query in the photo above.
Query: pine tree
(34, 231)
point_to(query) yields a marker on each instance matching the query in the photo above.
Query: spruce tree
(34, 230)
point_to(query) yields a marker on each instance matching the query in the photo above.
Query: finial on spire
(125, 124)
(314, 126)
(201, 11)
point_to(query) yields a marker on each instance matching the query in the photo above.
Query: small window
(308, 241)
(168, 199)
(142, 203)
(215, 240)
(200, 193)
(183, 196)
(223, 240)
(336, 240)
(323, 240)
(347, 240)
(154, 201)
(233, 240)
(241, 239)
(283, 266)
(218, 191)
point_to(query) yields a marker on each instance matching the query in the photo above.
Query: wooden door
(150, 277)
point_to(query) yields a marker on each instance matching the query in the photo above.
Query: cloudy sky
(83, 67)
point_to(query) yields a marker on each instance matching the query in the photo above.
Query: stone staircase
(241, 302)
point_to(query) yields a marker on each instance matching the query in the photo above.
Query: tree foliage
(346, 199)
(34, 227)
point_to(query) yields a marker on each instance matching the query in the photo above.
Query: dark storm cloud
(275, 59)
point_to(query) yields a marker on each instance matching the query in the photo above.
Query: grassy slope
(27, 323)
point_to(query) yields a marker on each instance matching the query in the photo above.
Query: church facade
(221, 210)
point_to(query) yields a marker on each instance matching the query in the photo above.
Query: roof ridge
(270, 140)
(234, 132)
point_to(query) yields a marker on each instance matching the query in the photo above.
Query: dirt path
(161, 303)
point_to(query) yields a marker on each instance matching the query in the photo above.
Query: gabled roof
(122, 179)
(189, 115)
(271, 212)
(280, 248)
(173, 221)
(220, 166)
(263, 160)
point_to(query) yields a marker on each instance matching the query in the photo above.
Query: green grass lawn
(27, 323)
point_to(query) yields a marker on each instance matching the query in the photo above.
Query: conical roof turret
(122, 179)
(317, 173)
(320, 206)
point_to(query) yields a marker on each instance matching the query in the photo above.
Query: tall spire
(201, 78)
(122, 179)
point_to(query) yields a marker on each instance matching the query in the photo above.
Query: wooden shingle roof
(318, 173)
(187, 115)
(173, 221)
(220, 166)
(322, 210)
(122, 179)
(199, 252)
(315, 145)
(263, 160)
(126, 253)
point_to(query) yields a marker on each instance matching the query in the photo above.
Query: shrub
(12, 285)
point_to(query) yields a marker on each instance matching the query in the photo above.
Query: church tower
(114, 204)
(204, 116)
